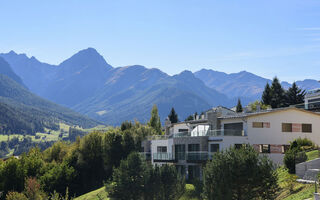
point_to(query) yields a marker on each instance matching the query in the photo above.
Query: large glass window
(193, 147)
(233, 129)
(214, 148)
(162, 149)
(180, 152)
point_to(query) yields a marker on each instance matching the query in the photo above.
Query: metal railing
(189, 156)
(219, 132)
(163, 156)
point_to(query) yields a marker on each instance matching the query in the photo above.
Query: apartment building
(188, 145)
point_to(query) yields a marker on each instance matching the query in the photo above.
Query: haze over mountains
(25, 113)
(88, 84)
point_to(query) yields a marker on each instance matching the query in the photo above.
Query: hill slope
(25, 113)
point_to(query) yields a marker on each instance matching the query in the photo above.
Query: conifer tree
(266, 95)
(278, 97)
(173, 117)
(295, 95)
(155, 119)
(239, 106)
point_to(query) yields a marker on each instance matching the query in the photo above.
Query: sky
(266, 37)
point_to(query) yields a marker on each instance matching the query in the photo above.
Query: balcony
(163, 157)
(191, 157)
(200, 156)
(212, 133)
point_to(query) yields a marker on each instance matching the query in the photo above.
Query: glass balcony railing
(163, 156)
(213, 133)
(196, 156)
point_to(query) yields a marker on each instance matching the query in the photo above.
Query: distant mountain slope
(133, 99)
(78, 78)
(5, 69)
(242, 84)
(86, 83)
(35, 74)
(25, 113)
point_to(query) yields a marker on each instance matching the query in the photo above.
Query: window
(214, 147)
(238, 146)
(161, 149)
(260, 124)
(286, 127)
(257, 124)
(180, 150)
(193, 147)
(182, 130)
(307, 128)
(264, 148)
(285, 148)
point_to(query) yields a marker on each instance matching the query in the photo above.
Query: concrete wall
(274, 134)
(301, 168)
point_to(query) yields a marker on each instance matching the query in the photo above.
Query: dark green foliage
(189, 118)
(296, 153)
(240, 174)
(155, 120)
(81, 166)
(278, 95)
(74, 133)
(145, 181)
(290, 160)
(266, 95)
(295, 95)
(173, 117)
(239, 106)
(126, 125)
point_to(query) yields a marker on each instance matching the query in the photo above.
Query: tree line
(277, 97)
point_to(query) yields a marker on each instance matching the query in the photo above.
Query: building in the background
(188, 145)
(312, 100)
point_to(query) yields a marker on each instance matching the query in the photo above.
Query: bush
(301, 157)
(16, 196)
(240, 174)
(290, 161)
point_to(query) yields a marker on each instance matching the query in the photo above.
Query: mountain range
(26, 113)
(86, 83)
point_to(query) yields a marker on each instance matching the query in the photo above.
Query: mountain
(86, 83)
(35, 74)
(246, 85)
(23, 112)
(131, 91)
(242, 84)
(5, 69)
(78, 78)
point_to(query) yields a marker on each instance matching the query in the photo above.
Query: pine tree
(173, 117)
(278, 97)
(239, 106)
(295, 95)
(155, 119)
(266, 95)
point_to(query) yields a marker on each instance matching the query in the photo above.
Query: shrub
(16, 196)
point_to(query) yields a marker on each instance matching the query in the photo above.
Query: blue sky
(267, 37)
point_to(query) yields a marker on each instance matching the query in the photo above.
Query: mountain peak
(12, 53)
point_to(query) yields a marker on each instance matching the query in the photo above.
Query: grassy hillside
(286, 180)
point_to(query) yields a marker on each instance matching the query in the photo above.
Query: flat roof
(242, 115)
